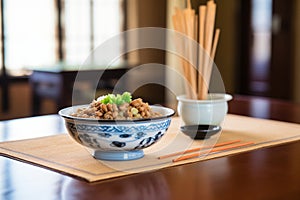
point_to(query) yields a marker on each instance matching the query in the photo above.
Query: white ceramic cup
(211, 111)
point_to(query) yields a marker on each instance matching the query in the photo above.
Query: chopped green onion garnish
(116, 99)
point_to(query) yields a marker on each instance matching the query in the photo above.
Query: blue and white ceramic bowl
(117, 139)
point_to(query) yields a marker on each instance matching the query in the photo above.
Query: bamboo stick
(189, 16)
(209, 30)
(202, 20)
(209, 25)
(212, 54)
(215, 44)
(182, 19)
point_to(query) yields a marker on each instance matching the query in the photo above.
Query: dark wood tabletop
(267, 173)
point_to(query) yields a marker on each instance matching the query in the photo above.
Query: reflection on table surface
(269, 173)
(25, 128)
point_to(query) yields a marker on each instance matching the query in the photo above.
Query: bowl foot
(118, 155)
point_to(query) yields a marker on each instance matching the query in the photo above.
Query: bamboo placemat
(61, 154)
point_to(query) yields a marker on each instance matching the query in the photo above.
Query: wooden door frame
(281, 63)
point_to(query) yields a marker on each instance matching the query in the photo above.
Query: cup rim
(214, 98)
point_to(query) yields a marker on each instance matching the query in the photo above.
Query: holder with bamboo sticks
(200, 29)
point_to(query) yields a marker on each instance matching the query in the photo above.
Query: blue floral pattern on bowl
(118, 140)
(92, 135)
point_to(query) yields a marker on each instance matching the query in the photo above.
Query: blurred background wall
(236, 58)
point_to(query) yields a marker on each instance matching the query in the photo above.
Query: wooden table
(57, 84)
(268, 173)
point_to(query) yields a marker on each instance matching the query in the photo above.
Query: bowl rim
(170, 111)
(219, 97)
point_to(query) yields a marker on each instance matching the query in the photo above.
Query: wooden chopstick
(189, 18)
(202, 20)
(194, 155)
(198, 149)
(215, 43)
(209, 31)
(212, 54)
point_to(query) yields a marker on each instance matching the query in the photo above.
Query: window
(104, 10)
(87, 25)
(29, 34)
(31, 31)
(41, 34)
(77, 31)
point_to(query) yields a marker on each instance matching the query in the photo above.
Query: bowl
(117, 139)
(210, 111)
